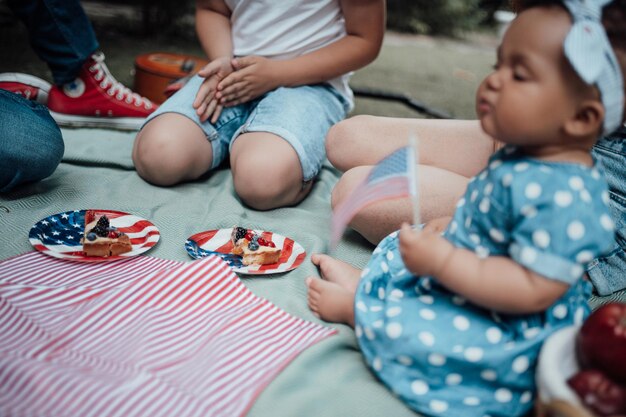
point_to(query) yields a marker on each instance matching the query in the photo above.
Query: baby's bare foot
(339, 272)
(329, 301)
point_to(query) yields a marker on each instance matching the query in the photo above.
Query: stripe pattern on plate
(144, 337)
(60, 235)
(211, 241)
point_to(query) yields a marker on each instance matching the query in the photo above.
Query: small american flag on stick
(392, 177)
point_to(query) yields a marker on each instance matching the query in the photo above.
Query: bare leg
(439, 192)
(459, 146)
(450, 152)
(267, 171)
(332, 297)
(171, 149)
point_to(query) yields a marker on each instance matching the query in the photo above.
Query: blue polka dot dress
(443, 355)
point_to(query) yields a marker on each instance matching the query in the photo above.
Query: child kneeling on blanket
(453, 323)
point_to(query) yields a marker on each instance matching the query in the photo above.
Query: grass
(440, 73)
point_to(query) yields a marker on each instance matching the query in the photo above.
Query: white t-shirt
(283, 29)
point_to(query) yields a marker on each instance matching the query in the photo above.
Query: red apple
(598, 393)
(601, 341)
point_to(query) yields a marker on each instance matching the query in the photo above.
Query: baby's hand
(437, 225)
(253, 77)
(424, 252)
(206, 104)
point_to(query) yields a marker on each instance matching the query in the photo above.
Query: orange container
(154, 71)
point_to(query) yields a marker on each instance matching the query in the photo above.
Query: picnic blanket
(328, 379)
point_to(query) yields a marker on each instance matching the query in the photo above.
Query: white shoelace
(114, 87)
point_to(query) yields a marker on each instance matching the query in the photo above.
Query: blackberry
(102, 227)
(240, 233)
(99, 231)
(103, 222)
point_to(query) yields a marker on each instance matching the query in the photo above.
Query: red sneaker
(28, 86)
(97, 99)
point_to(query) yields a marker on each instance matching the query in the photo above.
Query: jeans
(31, 145)
(60, 34)
(608, 273)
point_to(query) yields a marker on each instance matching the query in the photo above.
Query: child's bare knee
(336, 141)
(341, 140)
(155, 159)
(345, 130)
(264, 188)
(339, 193)
(347, 183)
(259, 196)
(147, 155)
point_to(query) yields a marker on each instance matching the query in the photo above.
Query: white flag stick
(414, 172)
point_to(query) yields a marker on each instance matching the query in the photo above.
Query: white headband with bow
(588, 49)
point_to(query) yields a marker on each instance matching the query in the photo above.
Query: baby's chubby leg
(171, 149)
(266, 171)
(332, 297)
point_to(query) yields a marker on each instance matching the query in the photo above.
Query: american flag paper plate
(217, 242)
(59, 235)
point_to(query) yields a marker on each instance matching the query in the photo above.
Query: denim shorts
(300, 115)
(608, 273)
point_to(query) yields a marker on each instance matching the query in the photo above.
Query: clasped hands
(232, 81)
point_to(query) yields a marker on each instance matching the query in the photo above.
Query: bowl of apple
(581, 370)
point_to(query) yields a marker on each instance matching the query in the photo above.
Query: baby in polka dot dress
(453, 322)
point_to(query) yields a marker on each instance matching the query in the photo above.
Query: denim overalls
(608, 273)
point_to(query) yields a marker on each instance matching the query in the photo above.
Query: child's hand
(253, 77)
(437, 225)
(206, 104)
(424, 252)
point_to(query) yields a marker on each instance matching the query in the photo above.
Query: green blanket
(329, 379)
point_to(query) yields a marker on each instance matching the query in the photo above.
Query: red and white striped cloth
(143, 337)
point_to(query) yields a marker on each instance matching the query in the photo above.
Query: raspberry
(112, 235)
(249, 235)
(264, 242)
